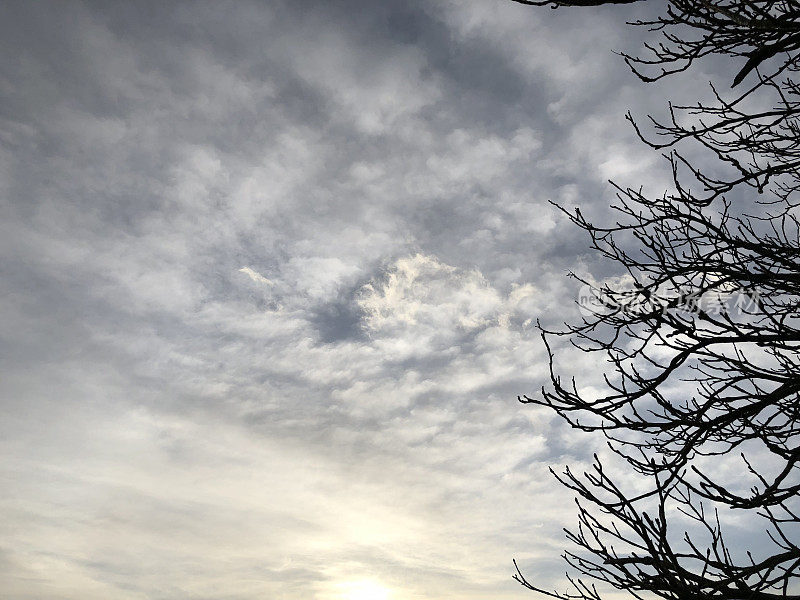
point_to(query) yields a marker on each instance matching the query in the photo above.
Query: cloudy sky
(270, 277)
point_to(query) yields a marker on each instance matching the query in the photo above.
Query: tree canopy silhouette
(701, 333)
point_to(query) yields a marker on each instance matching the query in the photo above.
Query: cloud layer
(270, 272)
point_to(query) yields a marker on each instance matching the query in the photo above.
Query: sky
(269, 284)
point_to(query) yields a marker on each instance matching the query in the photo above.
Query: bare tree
(756, 30)
(702, 342)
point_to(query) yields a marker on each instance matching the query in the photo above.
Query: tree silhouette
(702, 336)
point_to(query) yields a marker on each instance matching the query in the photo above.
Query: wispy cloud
(255, 276)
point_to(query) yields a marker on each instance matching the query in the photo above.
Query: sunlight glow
(365, 590)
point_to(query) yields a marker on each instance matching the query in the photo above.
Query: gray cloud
(269, 276)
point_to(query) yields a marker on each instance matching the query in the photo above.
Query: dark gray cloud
(269, 275)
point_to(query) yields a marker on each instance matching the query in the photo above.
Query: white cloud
(429, 298)
(255, 276)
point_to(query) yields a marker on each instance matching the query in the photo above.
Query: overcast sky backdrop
(270, 277)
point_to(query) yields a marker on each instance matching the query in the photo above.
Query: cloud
(421, 299)
(271, 276)
(255, 276)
